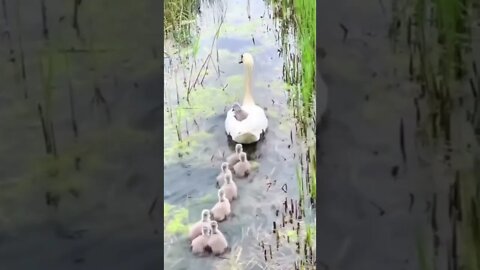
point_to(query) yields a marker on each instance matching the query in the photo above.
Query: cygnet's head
(214, 225)
(205, 214)
(238, 148)
(236, 107)
(243, 157)
(205, 230)
(228, 178)
(246, 59)
(221, 195)
(224, 167)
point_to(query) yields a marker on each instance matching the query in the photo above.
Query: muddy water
(190, 170)
(88, 206)
(379, 204)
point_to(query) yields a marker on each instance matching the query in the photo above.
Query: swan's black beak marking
(241, 59)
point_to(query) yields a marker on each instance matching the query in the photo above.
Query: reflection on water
(79, 125)
(195, 140)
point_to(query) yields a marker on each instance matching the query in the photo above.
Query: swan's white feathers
(250, 129)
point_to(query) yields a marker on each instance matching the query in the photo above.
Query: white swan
(246, 124)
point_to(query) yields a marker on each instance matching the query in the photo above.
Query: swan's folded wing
(255, 124)
(231, 124)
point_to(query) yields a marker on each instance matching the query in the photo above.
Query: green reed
(296, 22)
(439, 45)
(179, 19)
(438, 33)
(306, 23)
(297, 19)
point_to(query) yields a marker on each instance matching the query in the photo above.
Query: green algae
(175, 220)
(241, 31)
(202, 105)
(190, 144)
(236, 80)
(208, 198)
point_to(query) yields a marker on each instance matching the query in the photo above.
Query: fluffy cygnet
(222, 209)
(243, 167)
(217, 242)
(196, 229)
(200, 243)
(224, 170)
(230, 188)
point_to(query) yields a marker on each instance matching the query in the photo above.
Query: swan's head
(243, 157)
(205, 230)
(205, 215)
(224, 167)
(238, 148)
(214, 225)
(246, 59)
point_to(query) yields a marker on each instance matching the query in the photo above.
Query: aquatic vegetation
(208, 198)
(235, 80)
(305, 15)
(424, 256)
(437, 70)
(177, 119)
(189, 144)
(175, 220)
(297, 22)
(293, 241)
(182, 114)
(179, 19)
(241, 31)
(202, 105)
(438, 34)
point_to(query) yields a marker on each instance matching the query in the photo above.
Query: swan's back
(250, 129)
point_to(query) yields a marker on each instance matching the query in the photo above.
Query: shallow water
(103, 180)
(190, 179)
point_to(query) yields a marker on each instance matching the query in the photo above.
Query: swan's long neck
(248, 98)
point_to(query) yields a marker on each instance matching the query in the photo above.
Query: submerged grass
(439, 45)
(439, 37)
